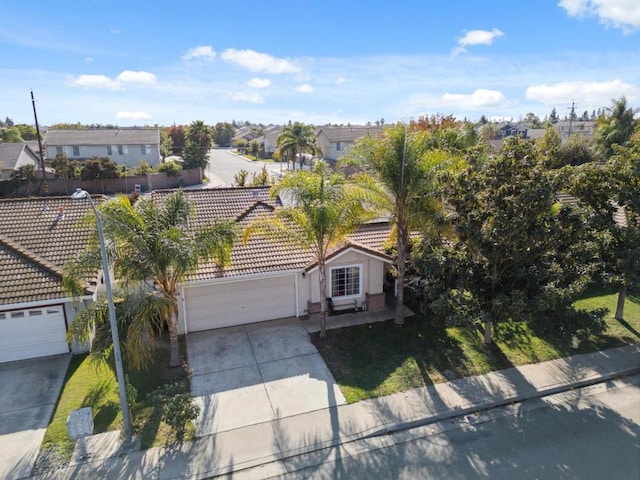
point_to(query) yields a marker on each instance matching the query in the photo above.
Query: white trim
(184, 310)
(349, 250)
(41, 303)
(295, 290)
(239, 278)
(346, 297)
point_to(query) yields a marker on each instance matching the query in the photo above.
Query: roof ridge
(251, 208)
(31, 256)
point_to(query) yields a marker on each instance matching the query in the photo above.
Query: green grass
(88, 384)
(380, 359)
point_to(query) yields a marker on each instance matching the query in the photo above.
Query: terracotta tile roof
(260, 255)
(37, 237)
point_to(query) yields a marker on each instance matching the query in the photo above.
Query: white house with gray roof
(335, 141)
(125, 146)
(16, 155)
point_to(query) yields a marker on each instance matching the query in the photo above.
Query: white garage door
(31, 333)
(237, 303)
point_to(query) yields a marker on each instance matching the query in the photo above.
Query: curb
(489, 405)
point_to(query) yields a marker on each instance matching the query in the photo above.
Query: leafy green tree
(25, 176)
(157, 242)
(10, 135)
(518, 253)
(166, 144)
(65, 169)
(575, 151)
(612, 193)
(177, 134)
(615, 126)
(325, 208)
(549, 144)
(198, 141)
(407, 165)
(295, 140)
(27, 132)
(223, 133)
(99, 168)
(553, 116)
(254, 148)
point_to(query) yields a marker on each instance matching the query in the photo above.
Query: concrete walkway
(291, 443)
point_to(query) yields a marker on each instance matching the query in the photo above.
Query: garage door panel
(238, 303)
(32, 333)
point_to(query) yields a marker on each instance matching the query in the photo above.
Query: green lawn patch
(380, 359)
(88, 384)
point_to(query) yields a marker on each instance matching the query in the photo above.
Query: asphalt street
(591, 433)
(223, 165)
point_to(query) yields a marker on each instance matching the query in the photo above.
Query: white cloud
(623, 14)
(584, 93)
(259, 62)
(132, 116)
(246, 97)
(95, 81)
(477, 37)
(88, 59)
(340, 80)
(259, 83)
(304, 88)
(479, 99)
(102, 82)
(129, 76)
(202, 52)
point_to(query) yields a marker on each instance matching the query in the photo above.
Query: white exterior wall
(131, 154)
(372, 275)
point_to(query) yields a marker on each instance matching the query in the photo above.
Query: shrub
(172, 169)
(175, 404)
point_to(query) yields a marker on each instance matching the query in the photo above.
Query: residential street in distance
(223, 165)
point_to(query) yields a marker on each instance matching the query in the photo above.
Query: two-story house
(335, 141)
(125, 146)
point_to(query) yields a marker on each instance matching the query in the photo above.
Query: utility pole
(571, 116)
(40, 153)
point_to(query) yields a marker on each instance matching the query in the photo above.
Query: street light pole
(122, 388)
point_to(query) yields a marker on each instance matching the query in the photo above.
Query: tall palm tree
(407, 165)
(325, 208)
(153, 242)
(297, 138)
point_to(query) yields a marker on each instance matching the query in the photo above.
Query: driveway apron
(28, 395)
(257, 373)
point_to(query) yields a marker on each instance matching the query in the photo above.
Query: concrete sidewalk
(266, 449)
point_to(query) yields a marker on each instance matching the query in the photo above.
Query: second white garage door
(238, 303)
(31, 333)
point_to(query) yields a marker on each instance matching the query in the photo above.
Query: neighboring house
(125, 146)
(575, 127)
(268, 280)
(16, 155)
(335, 141)
(508, 129)
(269, 141)
(37, 237)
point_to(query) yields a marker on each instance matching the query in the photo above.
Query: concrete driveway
(257, 373)
(28, 394)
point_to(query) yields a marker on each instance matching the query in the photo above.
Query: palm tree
(198, 141)
(297, 139)
(407, 165)
(153, 242)
(325, 208)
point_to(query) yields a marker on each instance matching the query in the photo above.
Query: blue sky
(149, 62)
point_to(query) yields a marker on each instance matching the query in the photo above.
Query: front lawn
(88, 384)
(380, 359)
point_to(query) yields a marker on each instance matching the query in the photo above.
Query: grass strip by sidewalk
(88, 384)
(380, 359)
